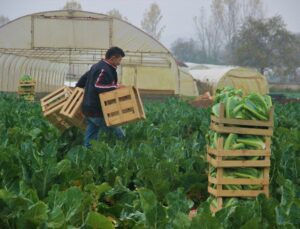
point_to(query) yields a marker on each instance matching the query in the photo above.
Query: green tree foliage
(265, 43)
(117, 14)
(216, 29)
(188, 51)
(3, 20)
(151, 21)
(72, 5)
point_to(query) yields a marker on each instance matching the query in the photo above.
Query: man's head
(114, 55)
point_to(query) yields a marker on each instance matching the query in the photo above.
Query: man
(102, 77)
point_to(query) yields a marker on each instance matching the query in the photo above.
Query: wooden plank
(30, 85)
(238, 193)
(244, 152)
(241, 181)
(127, 118)
(49, 96)
(219, 159)
(122, 92)
(241, 130)
(238, 163)
(140, 103)
(53, 109)
(212, 191)
(242, 122)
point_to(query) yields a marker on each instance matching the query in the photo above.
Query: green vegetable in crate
(231, 103)
(222, 94)
(25, 78)
(253, 106)
(254, 110)
(251, 173)
(216, 110)
(252, 142)
(212, 138)
(229, 141)
(248, 173)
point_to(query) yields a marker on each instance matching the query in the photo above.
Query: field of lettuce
(152, 179)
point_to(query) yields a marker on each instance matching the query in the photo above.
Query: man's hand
(120, 86)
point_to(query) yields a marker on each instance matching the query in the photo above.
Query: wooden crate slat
(26, 85)
(238, 163)
(117, 119)
(26, 93)
(241, 130)
(235, 193)
(54, 109)
(140, 103)
(241, 181)
(29, 89)
(55, 100)
(122, 92)
(63, 92)
(244, 152)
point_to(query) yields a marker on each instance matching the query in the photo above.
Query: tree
(188, 51)
(266, 43)
(215, 31)
(72, 5)
(151, 20)
(3, 20)
(116, 13)
(208, 34)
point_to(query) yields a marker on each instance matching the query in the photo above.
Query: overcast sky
(177, 14)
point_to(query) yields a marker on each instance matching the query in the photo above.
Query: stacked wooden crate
(71, 109)
(218, 157)
(52, 105)
(122, 106)
(26, 89)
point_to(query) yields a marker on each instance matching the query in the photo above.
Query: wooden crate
(52, 105)
(27, 88)
(220, 163)
(121, 106)
(240, 126)
(72, 108)
(27, 83)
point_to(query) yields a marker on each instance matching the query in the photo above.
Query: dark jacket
(102, 77)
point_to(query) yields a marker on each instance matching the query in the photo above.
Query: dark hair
(114, 51)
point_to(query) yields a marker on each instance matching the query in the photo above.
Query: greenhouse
(217, 77)
(52, 46)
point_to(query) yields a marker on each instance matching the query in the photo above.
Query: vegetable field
(152, 179)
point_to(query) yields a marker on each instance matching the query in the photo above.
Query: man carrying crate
(102, 77)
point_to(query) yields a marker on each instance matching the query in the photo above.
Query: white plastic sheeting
(48, 75)
(244, 78)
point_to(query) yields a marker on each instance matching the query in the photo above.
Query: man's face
(116, 60)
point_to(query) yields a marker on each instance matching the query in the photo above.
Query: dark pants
(94, 125)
